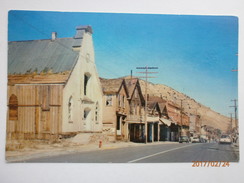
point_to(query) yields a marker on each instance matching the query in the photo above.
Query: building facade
(115, 109)
(53, 87)
(136, 114)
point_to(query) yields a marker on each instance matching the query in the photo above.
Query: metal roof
(41, 55)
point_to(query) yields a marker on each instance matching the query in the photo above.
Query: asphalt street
(149, 154)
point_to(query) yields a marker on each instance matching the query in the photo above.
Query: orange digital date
(210, 164)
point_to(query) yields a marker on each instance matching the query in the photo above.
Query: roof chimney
(80, 30)
(54, 35)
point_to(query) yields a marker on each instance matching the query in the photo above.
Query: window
(86, 113)
(136, 93)
(118, 123)
(86, 78)
(132, 105)
(70, 109)
(96, 112)
(135, 108)
(13, 107)
(123, 101)
(109, 100)
(119, 100)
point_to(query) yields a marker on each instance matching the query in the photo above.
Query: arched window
(70, 109)
(13, 107)
(86, 114)
(87, 77)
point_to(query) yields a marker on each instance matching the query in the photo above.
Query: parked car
(225, 139)
(203, 139)
(195, 140)
(184, 139)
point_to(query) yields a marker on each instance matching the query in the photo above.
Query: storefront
(136, 132)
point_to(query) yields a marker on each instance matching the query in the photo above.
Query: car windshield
(224, 136)
(184, 137)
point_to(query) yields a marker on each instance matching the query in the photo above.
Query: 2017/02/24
(210, 164)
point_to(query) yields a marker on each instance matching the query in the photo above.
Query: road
(150, 153)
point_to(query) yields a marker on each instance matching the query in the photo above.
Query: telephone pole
(181, 116)
(146, 76)
(235, 110)
(181, 111)
(231, 122)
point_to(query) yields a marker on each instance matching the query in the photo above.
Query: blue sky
(195, 54)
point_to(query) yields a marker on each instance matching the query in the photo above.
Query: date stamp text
(210, 164)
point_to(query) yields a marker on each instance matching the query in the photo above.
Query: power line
(57, 41)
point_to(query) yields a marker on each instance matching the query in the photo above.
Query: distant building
(180, 119)
(194, 125)
(153, 121)
(53, 88)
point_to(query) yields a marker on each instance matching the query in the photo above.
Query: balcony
(135, 118)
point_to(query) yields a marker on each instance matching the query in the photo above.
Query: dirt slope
(208, 116)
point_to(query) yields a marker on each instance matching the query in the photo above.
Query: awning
(166, 121)
(152, 119)
(136, 122)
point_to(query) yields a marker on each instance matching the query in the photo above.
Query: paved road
(150, 154)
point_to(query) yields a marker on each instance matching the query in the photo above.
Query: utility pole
(146, 76)
(181, 111)
(230, 122)
(235, 110)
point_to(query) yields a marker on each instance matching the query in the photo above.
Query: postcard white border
(173, 172)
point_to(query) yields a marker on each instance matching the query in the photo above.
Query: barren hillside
(208, 116)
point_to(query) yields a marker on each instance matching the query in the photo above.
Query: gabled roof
(161, 102)
(41, 55)
(50, 55)
(113, 86)
(131, 85)
(151, 105)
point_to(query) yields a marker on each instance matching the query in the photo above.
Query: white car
(195, 140)
(225, 139)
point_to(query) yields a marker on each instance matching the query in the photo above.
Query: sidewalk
(45, 150)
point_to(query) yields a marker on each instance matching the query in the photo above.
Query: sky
(194, 54)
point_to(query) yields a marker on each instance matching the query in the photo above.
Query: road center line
(162, 152)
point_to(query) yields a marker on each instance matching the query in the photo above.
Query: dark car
(184, 139)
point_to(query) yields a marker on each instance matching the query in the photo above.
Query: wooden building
(136, 114)
(115, 109)
(163, 122)
(53, 87)
(153, 121)
(180, 119)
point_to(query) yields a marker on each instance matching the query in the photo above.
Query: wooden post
(158, 131)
